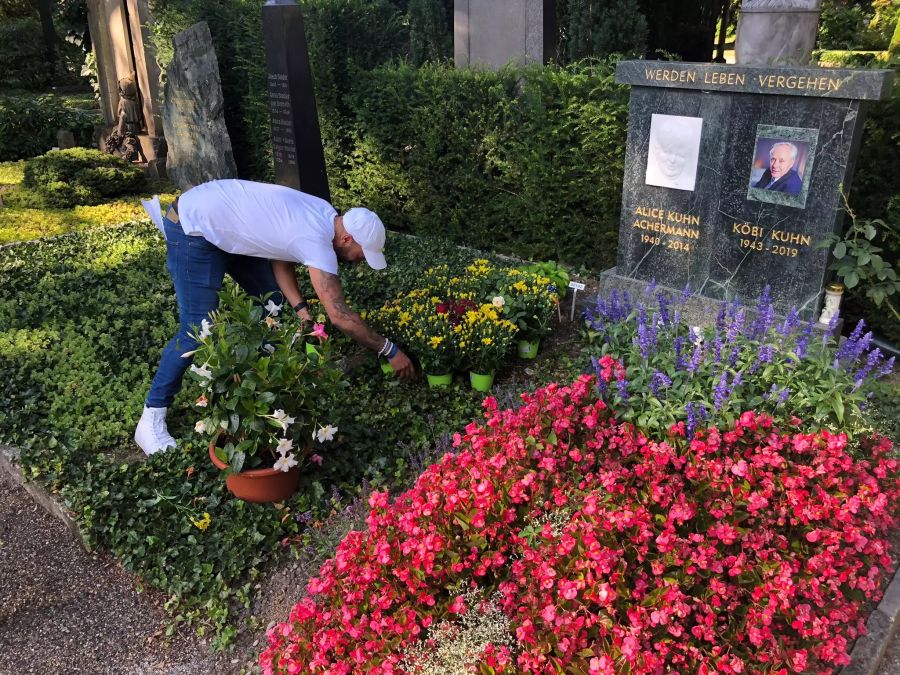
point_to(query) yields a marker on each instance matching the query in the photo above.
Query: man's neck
(339, 230)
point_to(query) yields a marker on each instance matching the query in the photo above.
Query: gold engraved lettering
(741, 79)
(779, 81)
(691, 76)
(791, 237)
(648, 212)
(747, 229)
(834, 84)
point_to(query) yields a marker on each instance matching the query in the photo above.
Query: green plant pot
(439, 380)
(481, 382)
(527, 349)
(386, 367)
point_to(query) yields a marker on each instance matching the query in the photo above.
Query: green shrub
(602, 27)
(486, 158)
(80, 176)
(430, 30)
(24, 62)
(11, 172)
(28, 124)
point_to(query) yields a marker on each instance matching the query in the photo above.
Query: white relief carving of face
(672, 153)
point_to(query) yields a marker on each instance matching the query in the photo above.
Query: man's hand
(304, 314)
(402, 366)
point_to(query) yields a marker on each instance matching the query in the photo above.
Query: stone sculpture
(129, 123)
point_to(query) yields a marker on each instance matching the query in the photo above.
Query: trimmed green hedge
(80, 176)
(528, 162)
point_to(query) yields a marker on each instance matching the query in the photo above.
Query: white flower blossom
(285, 462)
(202, 371)
(272, 308)
(498, 301)
(283, 419)
(284, 446)
(269, 348)
(200, 427)
(326, 433)
(205, 327)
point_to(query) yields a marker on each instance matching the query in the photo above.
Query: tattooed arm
(331, 294)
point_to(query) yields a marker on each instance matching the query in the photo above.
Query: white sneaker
(152, 435)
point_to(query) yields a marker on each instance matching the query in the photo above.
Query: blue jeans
(198, 269)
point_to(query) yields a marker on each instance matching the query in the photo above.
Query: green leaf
(840, 250)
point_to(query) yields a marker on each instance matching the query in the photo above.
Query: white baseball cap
(367, 230)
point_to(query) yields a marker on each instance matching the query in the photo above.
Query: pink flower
(319, 331)
(316, 459)
(740, 469)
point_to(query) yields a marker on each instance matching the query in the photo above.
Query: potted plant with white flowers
(262, 396)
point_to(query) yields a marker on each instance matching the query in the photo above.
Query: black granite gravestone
(733, 175)
(296, 140)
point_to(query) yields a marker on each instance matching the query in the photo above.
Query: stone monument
(193, 112)
(734, 174)
(776, 32)
(120, 34)
(123, 140)
(296, 140)
(493, 34)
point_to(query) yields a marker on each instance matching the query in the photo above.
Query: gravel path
(65, 611)
(891, 663)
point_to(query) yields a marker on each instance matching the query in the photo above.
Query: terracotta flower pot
(259, 486)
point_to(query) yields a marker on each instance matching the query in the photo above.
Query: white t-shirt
(261, 220)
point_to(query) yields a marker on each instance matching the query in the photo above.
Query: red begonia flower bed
(746, 551)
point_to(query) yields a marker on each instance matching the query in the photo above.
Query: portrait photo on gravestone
(674, 151)
(782, 165)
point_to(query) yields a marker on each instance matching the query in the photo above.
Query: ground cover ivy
(24, 214)
(84, 317)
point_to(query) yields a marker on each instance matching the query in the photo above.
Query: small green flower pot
(481, 382)
(439, 380)
(527, 349)
(386, 367)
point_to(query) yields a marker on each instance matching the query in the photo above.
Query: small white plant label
(575, 286)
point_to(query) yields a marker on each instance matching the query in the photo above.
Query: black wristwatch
(303, 304)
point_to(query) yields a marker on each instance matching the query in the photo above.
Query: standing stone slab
(723, 222)
(493, 34)
(199, 148)
(777, 32)
(296, 139)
